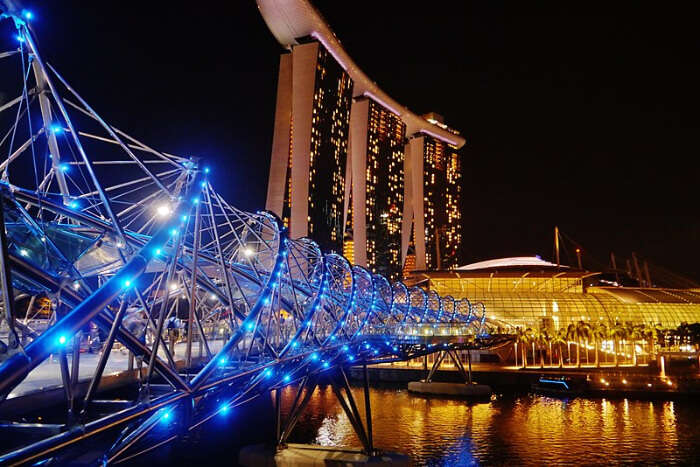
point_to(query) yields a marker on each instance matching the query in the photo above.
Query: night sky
(584, 117)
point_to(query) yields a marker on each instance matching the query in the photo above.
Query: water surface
(512, 429)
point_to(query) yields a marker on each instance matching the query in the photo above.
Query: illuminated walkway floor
(47, 376)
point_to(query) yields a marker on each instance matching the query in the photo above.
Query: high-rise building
(378, 138)
(310, 144)
(351, 167)
(435, 169)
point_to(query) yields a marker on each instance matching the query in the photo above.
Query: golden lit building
(529, 292)
(436, 173)
(310, 144)
(378, 140)
(340, 139)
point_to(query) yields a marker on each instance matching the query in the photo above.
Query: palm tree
(616, 332)
(559, 339)
(532, 338)
(547, 338)
(652, 333)
(570, 335)
(542, 339)
(582, 333)
(635, 332)
(600, 332)
(522, 338)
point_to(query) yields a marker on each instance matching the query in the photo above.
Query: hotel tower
(352, 168)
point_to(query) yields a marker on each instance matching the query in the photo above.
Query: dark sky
(582, 117)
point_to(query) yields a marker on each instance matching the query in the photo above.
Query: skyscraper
(351, 167)
(310, 144)
(435, 200)
(378, 138)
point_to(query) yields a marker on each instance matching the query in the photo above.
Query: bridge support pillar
(341, 389)
(301, 399)
(368, 410)
(427, 386)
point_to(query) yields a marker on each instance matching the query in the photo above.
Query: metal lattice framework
(103, 231)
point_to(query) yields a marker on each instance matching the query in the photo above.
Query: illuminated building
(435, 200)
(378, 140)
(531, 293)
(338, 137)
(409, 265)
(310, 144)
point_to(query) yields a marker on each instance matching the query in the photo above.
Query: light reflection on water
(516, 430)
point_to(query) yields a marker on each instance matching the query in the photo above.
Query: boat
(558, 386)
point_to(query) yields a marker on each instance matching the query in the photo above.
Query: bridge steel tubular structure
(110, 235)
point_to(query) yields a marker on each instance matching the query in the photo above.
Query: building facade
(542, 296)
(434, 204)
(310, 144)
(351, 168)
(377, 190)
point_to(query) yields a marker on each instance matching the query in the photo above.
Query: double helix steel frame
(121, 240)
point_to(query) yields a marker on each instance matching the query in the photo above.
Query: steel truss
(105, 235)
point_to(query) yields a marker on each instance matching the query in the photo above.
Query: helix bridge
(103, 232)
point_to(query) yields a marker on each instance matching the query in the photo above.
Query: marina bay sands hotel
(351, 167)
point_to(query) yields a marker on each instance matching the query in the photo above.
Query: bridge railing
(424, 330)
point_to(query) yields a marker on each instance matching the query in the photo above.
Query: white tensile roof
(508, 262)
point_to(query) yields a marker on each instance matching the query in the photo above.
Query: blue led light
(62, 340)
(286, 378)
(267, 372)
(173, 232)
(127, 283)
(28, 15)
(204, 184)
(222, 361)
(554, 381)
(184, 217)
(20, 38)
(250, 326)
(366, 346)
(74, 205)
(165, 417)
(314, 356)
(325, 365)
(351, 357)
(224, 409)
(55, 128)
(345, 348)
(206, 170)
(294, 343)
(157, 251)
(63, 167)
(195, 200)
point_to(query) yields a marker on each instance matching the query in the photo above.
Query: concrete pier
(450, 389)
(308, 455)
